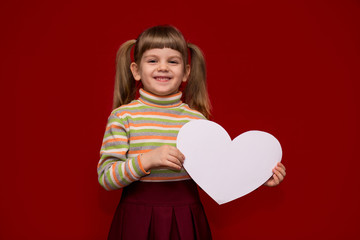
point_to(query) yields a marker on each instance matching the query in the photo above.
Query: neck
(160, 101)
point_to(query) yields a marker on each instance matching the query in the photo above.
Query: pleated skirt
(161, 211)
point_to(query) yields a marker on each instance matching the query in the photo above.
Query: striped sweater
(138, 127)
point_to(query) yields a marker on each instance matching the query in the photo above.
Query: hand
(279, 174)
(164, 156)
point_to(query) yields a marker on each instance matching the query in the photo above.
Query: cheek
(180, 76)
(180, 72)
(184, 75)
(143, 73)
(148, 70)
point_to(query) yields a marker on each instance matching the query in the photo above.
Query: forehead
(162, 52)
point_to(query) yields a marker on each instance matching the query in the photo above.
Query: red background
(290, 68)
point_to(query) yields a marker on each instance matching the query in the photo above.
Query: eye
(174, 62)
(151, 61)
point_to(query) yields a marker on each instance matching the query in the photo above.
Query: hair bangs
(160, 37)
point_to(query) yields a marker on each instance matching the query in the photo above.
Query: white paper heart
(225, 169)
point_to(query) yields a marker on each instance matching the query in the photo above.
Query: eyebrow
(153, 55)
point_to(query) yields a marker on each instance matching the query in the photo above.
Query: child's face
(161, 71)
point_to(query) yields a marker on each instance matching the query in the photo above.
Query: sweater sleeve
(115, 169)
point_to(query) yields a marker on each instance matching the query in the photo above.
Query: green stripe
(116, 147)
(135, 167)
(160, 120)
(109, 178)
(154, 130)
(122, 178)
(116, 119)
(179, 109)
(106, 162)
(103, 156)
(100, 180)
(115, 131)
(151, 144)
(111, 134)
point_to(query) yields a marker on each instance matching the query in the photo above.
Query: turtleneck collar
(160, 101)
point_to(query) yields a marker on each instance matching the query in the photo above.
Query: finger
(177, 154)
(178, 157)
(173, 166)
(281, 170)
(174, 160)
(279, 164)
(276, 180)
(180, 153)
(269, 182)
(278, 174)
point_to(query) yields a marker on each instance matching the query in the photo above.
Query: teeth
(162, 78)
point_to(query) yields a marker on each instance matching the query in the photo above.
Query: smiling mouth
(162, 79)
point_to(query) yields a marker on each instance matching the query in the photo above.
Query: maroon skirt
(160, 210)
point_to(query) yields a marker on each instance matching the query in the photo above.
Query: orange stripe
(125, 172)
(160, 106)
(130, 104)
(102, 161)
(114, 174)
(159, 114)
(107, 186)
(99, 164)
(192, 110)
(141, 166)
(139, 151)
(153, 125)
(187, 107)
(113, 126)
(114, 140)
(132, 174)
(152, 137)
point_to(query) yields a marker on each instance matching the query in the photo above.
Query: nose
(163, 66)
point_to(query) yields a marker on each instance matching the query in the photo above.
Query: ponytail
(124, 89)
(196, 95)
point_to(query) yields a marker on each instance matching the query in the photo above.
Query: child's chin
(165, 92)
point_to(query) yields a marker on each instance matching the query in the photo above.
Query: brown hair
(196, 95)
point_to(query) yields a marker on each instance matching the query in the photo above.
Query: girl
(139, 154)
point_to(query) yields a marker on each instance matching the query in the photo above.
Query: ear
(135, 71)
(187, 73)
